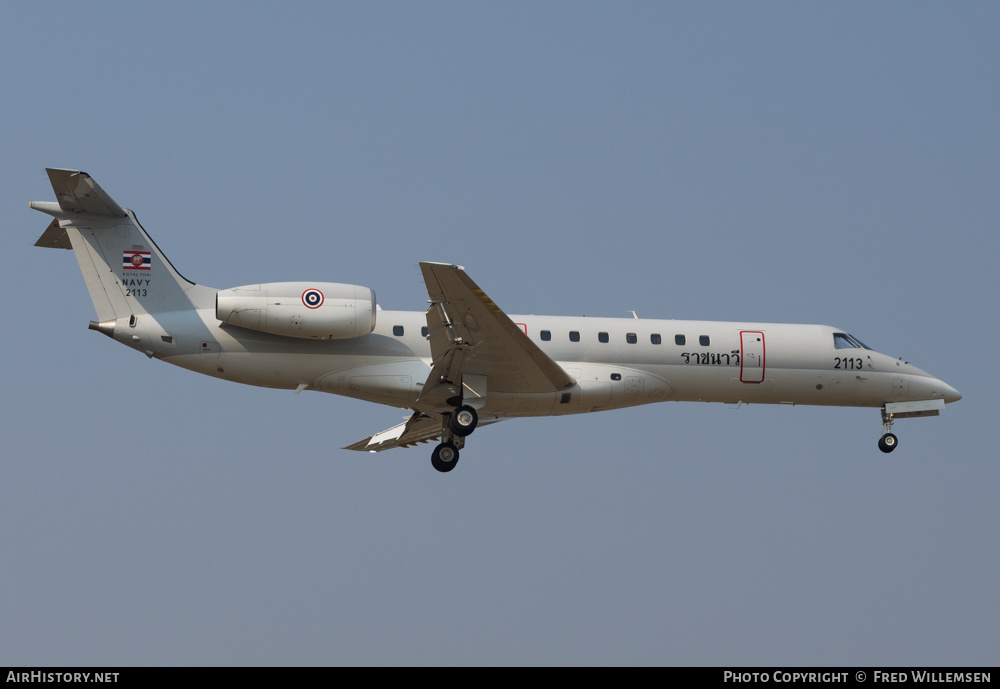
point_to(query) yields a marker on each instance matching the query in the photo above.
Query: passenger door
(751, 356)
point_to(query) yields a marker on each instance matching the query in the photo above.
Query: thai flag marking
(137, 260)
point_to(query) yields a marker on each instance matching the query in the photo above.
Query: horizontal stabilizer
(54, 237)
(77, 192)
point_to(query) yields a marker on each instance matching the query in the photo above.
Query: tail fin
(125, 271)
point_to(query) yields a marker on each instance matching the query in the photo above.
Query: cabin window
(423, 331)
(602, 337)
(397, 330)
(679, 340)
(703, 340)
(616, 376)
(631, 338)
(574, 336)
(546, 335)
(655, 338)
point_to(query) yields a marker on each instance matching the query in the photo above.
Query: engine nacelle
(309, 310)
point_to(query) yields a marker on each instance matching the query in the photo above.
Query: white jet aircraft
(463, 362)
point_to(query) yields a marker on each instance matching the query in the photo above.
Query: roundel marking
(312, 298)
(137, 260)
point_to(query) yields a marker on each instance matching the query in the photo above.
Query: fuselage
(616, 362)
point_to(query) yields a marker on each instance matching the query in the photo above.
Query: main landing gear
(463, 420)
(445, 457)
(454, 429)
(887, 443)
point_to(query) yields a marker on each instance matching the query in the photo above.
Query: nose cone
(950, 393)
(935, 388)
(928, 387)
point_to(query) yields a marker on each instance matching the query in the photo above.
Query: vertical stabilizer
(125, 272)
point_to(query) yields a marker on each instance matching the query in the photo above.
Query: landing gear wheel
(888, 442)
(445, 457)
(463, 420)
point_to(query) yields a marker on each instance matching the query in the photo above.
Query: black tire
(887, 443)
(445, 457)
(463, 420)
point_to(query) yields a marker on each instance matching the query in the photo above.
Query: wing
(473, 340)
(419, 428)
(474, 345)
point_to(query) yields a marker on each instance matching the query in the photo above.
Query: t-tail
(128, 277)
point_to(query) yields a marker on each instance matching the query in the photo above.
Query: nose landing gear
(887, 443)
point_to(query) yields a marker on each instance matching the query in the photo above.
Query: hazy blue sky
(797, 162)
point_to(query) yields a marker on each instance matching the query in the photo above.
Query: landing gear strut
(887, 443)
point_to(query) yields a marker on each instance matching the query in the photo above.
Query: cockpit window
(845, 341)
